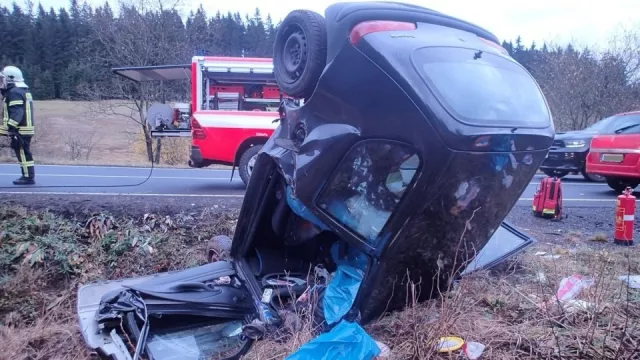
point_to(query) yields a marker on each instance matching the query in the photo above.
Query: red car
(615, 152)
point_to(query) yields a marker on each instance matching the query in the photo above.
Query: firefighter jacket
(17, 112)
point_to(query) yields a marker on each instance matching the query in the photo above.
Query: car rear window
(622, 124)
(481, 88)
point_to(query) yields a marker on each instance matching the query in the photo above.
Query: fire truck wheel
(247, 160)
(300, 53)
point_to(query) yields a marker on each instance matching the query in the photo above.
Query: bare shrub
(175, 151)
(79, 146)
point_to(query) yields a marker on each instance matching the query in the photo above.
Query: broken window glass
(368, 185)
(197, 341)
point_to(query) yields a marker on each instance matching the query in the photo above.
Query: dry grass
(75, 132)
(512, 310)
(515, 311)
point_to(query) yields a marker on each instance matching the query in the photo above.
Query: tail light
(196, 130)
(368, 27)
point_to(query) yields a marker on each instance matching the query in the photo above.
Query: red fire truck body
(234, 102)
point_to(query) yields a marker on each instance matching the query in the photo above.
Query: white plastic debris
(632, 280)
(571, 286)
(574, 305)
(473, 350)
(385, 351)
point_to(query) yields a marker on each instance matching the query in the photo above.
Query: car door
(190, 314)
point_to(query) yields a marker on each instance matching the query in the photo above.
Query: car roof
(635, 112)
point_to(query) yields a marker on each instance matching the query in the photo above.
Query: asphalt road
(210, 183)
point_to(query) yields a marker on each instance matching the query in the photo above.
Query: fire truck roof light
(368, 27)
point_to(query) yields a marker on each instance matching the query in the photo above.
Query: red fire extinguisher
(625, 216)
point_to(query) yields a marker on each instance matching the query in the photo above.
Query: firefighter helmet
(12, 75)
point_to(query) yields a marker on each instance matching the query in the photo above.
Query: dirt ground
(93, 133)
(512, 310)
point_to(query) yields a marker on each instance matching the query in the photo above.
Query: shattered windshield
(368, 186)
(482, 88)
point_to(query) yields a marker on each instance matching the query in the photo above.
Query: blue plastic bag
(345, 341)
(341, 293)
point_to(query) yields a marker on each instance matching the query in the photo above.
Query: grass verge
(514, 310)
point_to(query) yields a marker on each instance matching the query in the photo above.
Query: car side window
(368, 185)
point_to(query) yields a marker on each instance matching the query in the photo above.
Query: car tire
(557, 173)
(592, 177)
(619, 185)
(245, 165)
(300, 53)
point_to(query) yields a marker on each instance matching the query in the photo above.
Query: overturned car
(417, 136)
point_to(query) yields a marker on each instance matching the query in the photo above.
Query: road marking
(612, 200)
(201, 178)
(127, 176)
(573, 183)
(119, 167)
(119, 194)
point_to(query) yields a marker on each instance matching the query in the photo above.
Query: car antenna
(477, 55)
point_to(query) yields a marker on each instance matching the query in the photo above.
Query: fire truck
(232, 112)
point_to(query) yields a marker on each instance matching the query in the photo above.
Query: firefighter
(17, 120)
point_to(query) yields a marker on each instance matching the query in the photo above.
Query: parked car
(568, 153)
(615, 152)
(396, 169)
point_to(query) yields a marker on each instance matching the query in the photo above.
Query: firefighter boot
(24, 181)
(30, 180)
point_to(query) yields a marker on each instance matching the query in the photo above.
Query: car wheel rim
(251, 164)
(294, 54)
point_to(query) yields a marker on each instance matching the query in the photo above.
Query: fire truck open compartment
(226, 85)
(173, 122)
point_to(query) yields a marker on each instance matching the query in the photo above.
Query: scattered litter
(385, 351)
(632, 280)
(541, 277)
(571, 286)
(574, 305)
(544, 255)
(346, 340)
(266, 295)
(341, 293)
(473, 350)
(449, 344)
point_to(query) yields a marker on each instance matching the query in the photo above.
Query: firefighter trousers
(21, 145)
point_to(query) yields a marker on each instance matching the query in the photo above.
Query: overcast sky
(535, 20)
